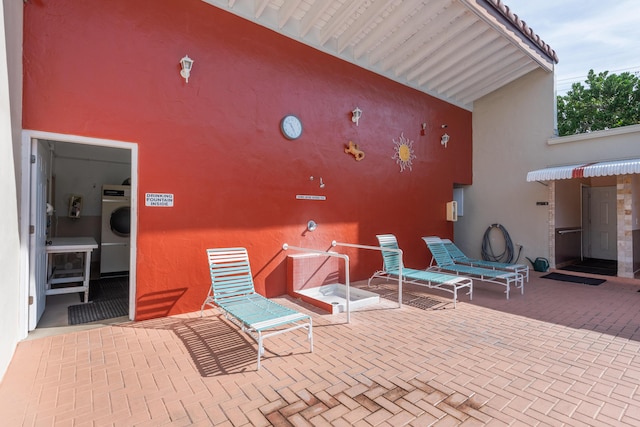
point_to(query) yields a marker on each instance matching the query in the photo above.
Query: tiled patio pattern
(562, 354)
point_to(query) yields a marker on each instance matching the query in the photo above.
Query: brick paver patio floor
(561, 354)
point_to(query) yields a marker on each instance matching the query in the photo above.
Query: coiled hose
(507, 254)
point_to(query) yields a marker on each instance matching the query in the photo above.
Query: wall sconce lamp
(355, 115)
(444, 140)
(423, 129)
(185, 64)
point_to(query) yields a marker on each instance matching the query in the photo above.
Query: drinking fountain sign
(158, 200)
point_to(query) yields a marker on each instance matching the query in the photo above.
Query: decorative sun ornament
(403, 152)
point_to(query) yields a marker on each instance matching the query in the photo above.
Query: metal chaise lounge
(393, 268)
(460, 258)
(444, 263)
(233, 292)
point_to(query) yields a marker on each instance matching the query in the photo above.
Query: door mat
(573, 279)
(98, 310)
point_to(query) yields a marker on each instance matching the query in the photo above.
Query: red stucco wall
(110, 70)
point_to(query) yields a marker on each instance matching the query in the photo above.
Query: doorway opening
(66, 187)
(586, 226)
(599, 237)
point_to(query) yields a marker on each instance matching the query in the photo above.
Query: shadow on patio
(561, 354)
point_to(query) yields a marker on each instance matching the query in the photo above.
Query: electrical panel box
(452, 211)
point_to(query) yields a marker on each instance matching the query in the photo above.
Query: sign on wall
(158, 200)
(310, 197)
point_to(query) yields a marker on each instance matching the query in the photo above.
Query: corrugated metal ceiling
(455, 50)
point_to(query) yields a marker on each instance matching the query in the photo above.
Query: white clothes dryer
(116, 226)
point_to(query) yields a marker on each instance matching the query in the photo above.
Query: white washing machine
(116, 226)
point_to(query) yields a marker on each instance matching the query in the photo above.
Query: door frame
(38, 197)
(585, 220)
(25, 209)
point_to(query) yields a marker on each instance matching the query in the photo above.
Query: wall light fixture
(355, 115)
(185, 64)
(444, 140)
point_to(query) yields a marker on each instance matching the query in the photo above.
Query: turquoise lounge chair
(460, 258)
(444, 263)
(393, 268)
(233, 292)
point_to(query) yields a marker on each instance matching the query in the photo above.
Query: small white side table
(60, 245)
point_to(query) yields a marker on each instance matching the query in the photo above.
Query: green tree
(607, 101)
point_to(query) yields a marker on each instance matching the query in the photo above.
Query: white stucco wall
(512, 135)
(10, 129)
(612, 144)
(511, 127)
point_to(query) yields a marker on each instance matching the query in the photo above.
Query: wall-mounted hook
(311, 178)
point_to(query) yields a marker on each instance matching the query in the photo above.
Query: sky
(586, 34)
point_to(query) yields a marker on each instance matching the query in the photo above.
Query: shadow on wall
(157, 304)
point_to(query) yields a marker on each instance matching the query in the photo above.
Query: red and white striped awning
(586, 170)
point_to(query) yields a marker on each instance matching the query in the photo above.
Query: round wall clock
(291, 127)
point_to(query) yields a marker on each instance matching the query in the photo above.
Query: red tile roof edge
(524, 28)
